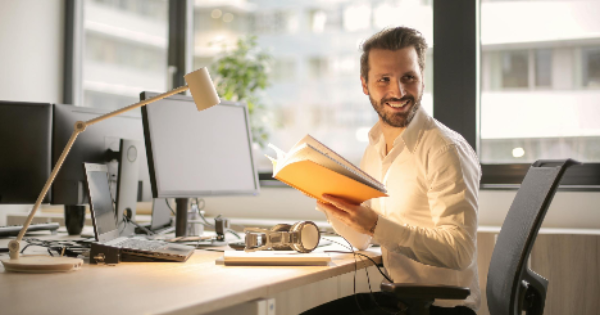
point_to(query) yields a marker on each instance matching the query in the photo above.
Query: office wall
(31, 50)
(31, 57)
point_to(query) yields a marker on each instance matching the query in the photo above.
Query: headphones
(303, 237)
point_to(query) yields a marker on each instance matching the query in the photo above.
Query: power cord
(201, 204)
(127, 220)
(170, 208)
(63, 248)
(361, 256)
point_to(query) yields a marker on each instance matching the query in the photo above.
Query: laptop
(105, 225)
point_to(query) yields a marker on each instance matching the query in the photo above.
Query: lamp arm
(14, 245)
(80, 126)
(137, 105)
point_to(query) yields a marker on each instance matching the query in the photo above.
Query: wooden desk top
(196, 286)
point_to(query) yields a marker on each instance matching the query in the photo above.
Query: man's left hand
(358, 217)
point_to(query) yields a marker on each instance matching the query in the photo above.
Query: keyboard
(139, 244)
(13, 230)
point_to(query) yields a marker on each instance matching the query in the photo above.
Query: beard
(399, 120)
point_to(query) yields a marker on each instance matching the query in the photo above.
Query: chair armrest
(426, 292)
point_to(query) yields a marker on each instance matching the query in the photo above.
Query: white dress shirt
(427, 227)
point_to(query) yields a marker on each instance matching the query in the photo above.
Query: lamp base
(41, 264)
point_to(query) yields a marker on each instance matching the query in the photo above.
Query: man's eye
(409, 77)
(384, 80)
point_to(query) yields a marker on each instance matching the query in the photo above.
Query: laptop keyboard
(138, 244)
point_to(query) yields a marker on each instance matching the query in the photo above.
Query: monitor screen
(92, 146)
(25, 158)
(195, 153)
(101, 206)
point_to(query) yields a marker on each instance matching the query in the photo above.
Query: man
(427, 226)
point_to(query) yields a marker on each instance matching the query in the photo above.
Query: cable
(169, 205)
(128, 220)
(211, 249)
(366, 256)
(204, 219)
(234, 233)
(354, 254)
(355, 271)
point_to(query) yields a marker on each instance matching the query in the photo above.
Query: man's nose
(397, 90)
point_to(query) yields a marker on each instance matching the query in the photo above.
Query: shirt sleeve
(452, 176)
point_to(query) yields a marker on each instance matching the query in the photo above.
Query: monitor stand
(181, 216)
(127, 185)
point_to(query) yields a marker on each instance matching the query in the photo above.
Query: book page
(329, 152)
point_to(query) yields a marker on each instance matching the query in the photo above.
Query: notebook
(105, 225)
(275, 258)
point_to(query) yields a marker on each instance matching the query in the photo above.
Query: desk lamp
(204, 95)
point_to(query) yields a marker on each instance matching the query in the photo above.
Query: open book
(314, 169)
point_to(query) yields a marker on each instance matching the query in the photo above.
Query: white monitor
(195, 153)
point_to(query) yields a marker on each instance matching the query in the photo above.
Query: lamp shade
(202, 89)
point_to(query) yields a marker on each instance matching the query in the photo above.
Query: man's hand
(358, 217)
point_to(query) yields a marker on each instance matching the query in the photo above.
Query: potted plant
(239, 75)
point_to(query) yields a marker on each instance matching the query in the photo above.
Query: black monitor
(195, 153)
(25, 158)
(93, 146)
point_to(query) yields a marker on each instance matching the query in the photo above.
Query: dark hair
(393, 39)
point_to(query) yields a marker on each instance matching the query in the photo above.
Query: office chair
(511, 286)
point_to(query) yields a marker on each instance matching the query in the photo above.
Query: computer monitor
(25, 161)
(92, 146)
(195, 153)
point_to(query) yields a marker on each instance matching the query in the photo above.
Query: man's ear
(364, 85)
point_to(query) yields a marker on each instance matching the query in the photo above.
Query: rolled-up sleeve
(452, 175)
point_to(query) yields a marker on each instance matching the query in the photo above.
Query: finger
(338, 202)
(341, 202)
(319, 207)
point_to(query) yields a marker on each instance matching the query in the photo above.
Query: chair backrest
(511, 286)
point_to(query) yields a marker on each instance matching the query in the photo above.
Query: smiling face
(395, 85)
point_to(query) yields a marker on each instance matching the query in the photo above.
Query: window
(315, 72)
(515, 66)
(591, 67)
(125, 51)
(543, 68)
(539, 82)
(539, 69)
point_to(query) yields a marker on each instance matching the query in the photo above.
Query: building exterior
(540, 67)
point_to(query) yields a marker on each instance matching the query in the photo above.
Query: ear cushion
(281, 228)
(309, 236)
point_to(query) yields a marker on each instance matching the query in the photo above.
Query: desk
(198, 286)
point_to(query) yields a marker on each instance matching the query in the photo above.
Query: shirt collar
(411, 135)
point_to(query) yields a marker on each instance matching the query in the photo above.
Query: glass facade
(540, 95)
(540, 67)
(315, 70)
(125, 51)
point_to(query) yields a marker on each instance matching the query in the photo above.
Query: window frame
(456, 33)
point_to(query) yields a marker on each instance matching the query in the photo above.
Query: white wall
(31, 56)
(31, 50)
